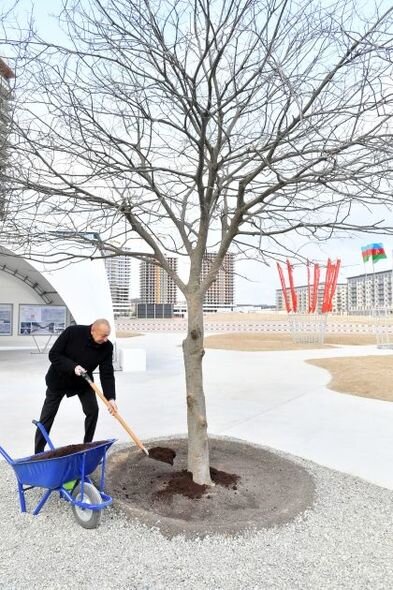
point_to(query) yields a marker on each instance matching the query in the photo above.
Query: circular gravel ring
(272, 490)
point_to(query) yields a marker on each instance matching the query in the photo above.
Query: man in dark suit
(77, 350)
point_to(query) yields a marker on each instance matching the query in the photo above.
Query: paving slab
(270, 398)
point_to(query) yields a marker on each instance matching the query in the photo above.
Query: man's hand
(112, 407)
(79, 370)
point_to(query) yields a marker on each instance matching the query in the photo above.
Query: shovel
(116, 415)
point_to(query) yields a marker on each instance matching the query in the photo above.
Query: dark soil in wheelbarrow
(64, 451)
(254, 488)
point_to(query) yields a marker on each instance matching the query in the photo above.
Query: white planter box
(132, 360)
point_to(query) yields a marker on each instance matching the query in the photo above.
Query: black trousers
(50, 408)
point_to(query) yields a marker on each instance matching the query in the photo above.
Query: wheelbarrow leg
(22, 500)
(42, 502)
(102, 478)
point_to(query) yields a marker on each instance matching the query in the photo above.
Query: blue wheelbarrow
(65, 470)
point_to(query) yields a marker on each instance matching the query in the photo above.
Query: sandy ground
(275, 316)
(369, 376)
(264, 341)
(126, 334)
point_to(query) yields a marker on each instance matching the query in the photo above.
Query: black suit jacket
(75, 346)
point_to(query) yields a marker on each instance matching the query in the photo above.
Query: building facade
(156, 286)
(361, 294)
(368, 292)
(339, 301)
(221, 291)
(118, 270)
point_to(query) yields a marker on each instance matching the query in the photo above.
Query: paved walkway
(270, 398)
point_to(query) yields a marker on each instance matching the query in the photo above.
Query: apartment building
(360, 294)
(339, 302)
(118, 270)
(221, 292)
(156, 286)
(370, 292)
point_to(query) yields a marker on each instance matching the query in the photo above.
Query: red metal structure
(330, 285)
(290, 295)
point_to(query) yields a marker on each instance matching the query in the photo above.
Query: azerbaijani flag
(374, 251)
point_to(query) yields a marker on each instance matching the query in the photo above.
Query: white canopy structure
(79, 290)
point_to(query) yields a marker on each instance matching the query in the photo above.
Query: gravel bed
(345, 541)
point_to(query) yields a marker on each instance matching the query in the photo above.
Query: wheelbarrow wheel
(89, 519)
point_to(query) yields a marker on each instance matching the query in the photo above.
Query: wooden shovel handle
(116, 415)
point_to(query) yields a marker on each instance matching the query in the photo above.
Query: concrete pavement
(270, 398)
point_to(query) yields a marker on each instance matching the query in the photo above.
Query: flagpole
(376, 252)
(365, 282)
(374, 300)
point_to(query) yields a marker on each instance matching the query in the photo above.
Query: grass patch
(266, 341)
(366, 376)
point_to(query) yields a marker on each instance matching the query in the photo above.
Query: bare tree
(6, 76)
(199, 125)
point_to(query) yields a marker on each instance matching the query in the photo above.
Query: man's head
(100, 331)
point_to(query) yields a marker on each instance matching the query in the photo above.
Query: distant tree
(13, 42)
(6, 76)
(198, 125)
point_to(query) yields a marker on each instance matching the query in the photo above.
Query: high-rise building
(221, 291)
(6, 75)
(156, 286)
(118, 270)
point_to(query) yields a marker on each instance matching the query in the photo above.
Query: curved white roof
(81, 285)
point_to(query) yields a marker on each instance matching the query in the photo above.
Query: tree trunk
(193, 351)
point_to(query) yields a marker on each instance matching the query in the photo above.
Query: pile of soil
(254, 488)
(64, 451)
(162, 454)
(181, 482)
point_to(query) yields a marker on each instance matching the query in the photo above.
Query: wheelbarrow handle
(44, 433)
(6, 456)
(116, 415)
